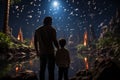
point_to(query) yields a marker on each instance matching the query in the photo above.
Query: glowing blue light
(55, 7)
(55, 4)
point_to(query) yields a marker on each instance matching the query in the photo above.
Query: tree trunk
(6, 28)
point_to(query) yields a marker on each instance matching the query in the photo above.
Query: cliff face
(104, 70)
(107, 64)
(114, 25)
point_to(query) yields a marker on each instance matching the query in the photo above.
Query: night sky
(70, 17)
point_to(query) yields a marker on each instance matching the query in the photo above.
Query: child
(62, 60)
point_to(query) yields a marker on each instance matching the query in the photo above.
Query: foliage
(4, 40)
(5, 70)
(81, 47)
(111, 42)
(105, 41)
(15, 1)
(27, 41)
(81, 56)
(12, 45)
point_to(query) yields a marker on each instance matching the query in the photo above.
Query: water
(8, 67)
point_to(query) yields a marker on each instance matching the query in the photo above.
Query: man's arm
(55, 40)
(36, 42)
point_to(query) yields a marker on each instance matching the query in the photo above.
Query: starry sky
(70, 17)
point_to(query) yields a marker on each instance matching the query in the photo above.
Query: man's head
(47, 21)
(62, 42)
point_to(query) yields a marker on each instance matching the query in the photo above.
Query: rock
(82, 75)
(27, 75)
(107, 71)
(74, 78)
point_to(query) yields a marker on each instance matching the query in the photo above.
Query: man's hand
(38, 53)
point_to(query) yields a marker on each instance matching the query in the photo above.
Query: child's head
(62, 42)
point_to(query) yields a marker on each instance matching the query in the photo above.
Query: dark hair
(62, 42)
(47, 21)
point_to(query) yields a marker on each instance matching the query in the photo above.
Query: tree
(6, 28)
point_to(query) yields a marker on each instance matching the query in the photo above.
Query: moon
(55, 4)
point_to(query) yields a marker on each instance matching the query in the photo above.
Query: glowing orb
(55, 3)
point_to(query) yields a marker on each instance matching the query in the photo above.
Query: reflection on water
(16, 65)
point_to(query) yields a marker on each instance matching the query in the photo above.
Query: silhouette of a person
(62, 60)
(44, 41)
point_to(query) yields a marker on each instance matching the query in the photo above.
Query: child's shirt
(62, 58)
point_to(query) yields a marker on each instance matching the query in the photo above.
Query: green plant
(5, 70)
(15, 1)
(112, 42)
(81, 47)
(27, 41)
(107, 40)
(4, 40)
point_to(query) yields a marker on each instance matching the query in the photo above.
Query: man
(45, 40)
